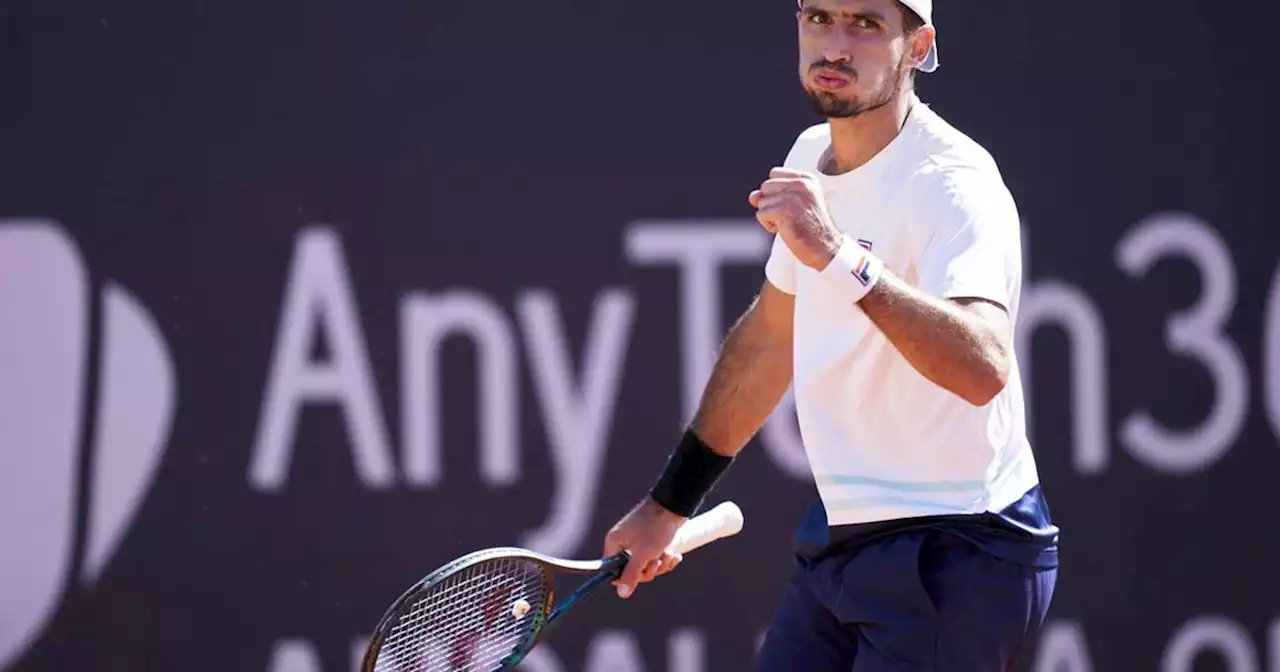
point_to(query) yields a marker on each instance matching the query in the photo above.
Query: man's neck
(856, 140)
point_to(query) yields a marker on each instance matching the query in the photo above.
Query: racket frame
(605, 570)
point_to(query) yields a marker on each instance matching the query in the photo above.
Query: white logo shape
(44, 351)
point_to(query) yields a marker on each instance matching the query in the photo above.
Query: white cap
(924, 9)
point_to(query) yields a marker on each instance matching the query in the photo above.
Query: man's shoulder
(944, 147)
(809, 146)
(954, 182)
(951, 168)
(819, 132)
(945, 162)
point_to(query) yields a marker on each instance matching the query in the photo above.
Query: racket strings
(465, 623)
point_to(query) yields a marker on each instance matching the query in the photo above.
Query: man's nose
(836, 50)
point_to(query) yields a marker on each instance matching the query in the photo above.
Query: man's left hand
(790, 203)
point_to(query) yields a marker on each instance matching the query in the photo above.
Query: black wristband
(692, 470)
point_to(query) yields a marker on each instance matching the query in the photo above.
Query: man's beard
(830, 105)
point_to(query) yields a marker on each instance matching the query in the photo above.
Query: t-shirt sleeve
(780, 269)
(969, 237)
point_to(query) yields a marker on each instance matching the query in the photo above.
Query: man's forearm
(952, 347)
(750, 376)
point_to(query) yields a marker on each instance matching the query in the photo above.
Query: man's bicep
(991, 313)
(775, 310)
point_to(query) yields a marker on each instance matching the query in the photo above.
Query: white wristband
(854, 269)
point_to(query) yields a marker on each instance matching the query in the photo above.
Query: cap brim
(931, 61)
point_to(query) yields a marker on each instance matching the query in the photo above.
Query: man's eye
(864, 23)
(819, 18)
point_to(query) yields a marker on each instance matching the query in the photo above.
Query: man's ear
(921, 42)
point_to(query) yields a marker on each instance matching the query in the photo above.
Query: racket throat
(587, 589)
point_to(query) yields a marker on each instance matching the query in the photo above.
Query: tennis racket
(487, 610)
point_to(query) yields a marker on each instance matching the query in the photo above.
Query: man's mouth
(830, 79)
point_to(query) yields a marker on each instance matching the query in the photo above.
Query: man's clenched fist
(790, 204)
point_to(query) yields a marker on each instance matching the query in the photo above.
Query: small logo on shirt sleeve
(864, 244)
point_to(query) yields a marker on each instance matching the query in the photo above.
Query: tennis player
(889, 301)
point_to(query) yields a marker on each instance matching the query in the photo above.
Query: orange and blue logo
(863, 271)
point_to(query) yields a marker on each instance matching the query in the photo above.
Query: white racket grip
(725, 520)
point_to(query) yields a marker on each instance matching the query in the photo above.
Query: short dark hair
(911, 22)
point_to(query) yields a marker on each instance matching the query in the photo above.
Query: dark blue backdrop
(302, 299)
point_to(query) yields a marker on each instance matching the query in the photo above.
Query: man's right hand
(647, 532)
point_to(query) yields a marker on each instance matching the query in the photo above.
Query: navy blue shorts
(917, 600)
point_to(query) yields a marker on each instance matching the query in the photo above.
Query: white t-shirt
(883, 441)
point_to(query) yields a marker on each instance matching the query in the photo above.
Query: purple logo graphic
(45, 348)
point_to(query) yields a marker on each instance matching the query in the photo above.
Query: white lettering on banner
(1196, 333)
(687, 651)
(1271, 358)
(541, 659)
(782, 442)
(426, 321)
(1053, 302)
(300, 655)
(1210, 633)
(1062, 648)
(578, 414)
(578, 410)
(319, 296)
(607, 651)
(619, 651)
(1273, 644)
(614, 651)
(358, 647)
(294, 655)
(319, 300)
(700, 248)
